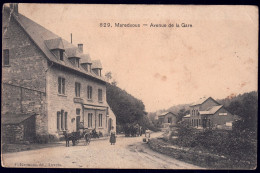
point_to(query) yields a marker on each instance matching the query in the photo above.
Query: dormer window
(86, 66)
(89, 67)
(96, 67)
(55, 45)
(77, 62)
(61, 55)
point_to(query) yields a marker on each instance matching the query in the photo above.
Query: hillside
(226, 102)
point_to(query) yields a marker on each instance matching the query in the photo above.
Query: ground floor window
(89, 119)
(62, 120)
(100, 120)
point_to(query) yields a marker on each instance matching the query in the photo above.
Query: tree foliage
(246, 109)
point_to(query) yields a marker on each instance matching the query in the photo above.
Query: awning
(95, 107)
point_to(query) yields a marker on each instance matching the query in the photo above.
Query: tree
(182, 112)
(246, 108)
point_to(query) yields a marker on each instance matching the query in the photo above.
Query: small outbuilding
(18, 128)
(166, 119)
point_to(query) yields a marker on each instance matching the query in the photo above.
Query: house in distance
(166, 119)
(49, 78)
(208, 113)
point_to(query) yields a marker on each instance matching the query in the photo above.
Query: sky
(163, 66)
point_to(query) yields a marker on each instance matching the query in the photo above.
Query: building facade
(48, 76)
(166, 119)
(208, 113)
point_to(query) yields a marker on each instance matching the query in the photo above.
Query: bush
(42, 139)
(237, 145)
(53, 138)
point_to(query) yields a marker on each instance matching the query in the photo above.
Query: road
(127, 153)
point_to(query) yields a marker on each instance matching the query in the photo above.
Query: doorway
(77, 123)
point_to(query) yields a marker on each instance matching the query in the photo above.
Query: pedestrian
(112, 136)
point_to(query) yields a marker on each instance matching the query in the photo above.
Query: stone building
(208, 113)
(47, 77)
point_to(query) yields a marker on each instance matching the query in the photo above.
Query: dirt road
(127, 153)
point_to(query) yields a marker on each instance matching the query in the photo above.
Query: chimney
(14, 7)
(80, 47)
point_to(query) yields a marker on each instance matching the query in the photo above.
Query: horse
(74, 137)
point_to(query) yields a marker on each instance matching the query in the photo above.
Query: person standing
(112, 136)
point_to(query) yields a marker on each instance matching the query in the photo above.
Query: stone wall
(24, 79)
(20, 100)
(12, 133)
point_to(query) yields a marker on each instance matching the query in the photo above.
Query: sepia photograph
(129, 86)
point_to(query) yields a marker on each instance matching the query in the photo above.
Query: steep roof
(211, 110)
(85, 58)
(165, 113)
(72, 52)
(96, 64)
(202, 100)
(10, 118)
(40, 37)
(55, 43)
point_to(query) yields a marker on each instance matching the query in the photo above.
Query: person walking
(112, 136)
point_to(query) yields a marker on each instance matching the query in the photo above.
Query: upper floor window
(61, 85)
(89, 67)
(6, 57)
(61, 55)
(77, 62)
(100, 95)
(77, 89)
(89, 92)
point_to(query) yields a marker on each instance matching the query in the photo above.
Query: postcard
(129, 86)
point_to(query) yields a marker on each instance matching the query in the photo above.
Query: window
(100, 95)
(66, 120)
(62, 119)
(61, 55)
(58, 120)
(89, 119)
(6, 57)
(89, 92)
(88, 67)
(77, 111)
(100, 120)
(169, 120)
(77, 62)
(77, 89)
(99, 72)
(61, 85)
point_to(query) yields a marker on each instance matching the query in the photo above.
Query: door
(77, 123)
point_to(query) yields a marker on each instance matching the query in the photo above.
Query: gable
(210, 102)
